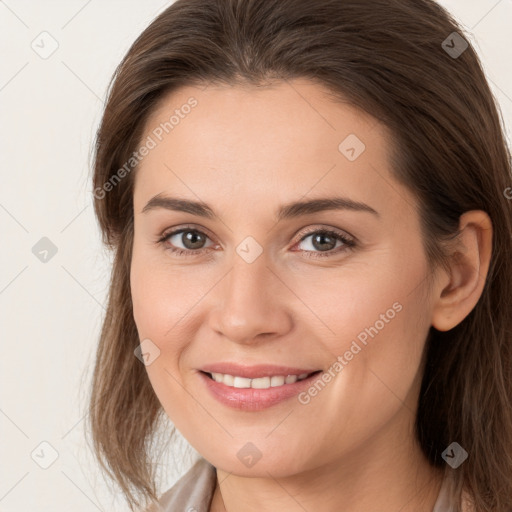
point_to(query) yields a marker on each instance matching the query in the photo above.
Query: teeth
(258, 383)
(277, 380)
(241, 382)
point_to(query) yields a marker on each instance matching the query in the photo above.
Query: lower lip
(249, 399)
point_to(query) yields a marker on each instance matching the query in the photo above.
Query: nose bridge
(249, 302)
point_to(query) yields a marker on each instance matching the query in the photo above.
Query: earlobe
(469, 265)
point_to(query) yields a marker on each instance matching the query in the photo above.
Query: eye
(324, 241)
(193, 240)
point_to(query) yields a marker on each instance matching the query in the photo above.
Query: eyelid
(174, 230)
(310, 230)
(301, 233)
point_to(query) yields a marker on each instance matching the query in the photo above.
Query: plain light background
(51, 311)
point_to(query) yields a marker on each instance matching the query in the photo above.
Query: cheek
(154, 308)
(161, 297)
(165, 301)
(380, 321)
(160, 305)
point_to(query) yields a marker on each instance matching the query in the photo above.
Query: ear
(458, 292)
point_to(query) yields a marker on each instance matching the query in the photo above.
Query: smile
(257, 393)
(236, 381)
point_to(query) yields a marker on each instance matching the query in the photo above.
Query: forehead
(285, 140)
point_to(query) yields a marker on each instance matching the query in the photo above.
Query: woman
(308, 207)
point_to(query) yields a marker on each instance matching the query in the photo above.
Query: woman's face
(260, 285)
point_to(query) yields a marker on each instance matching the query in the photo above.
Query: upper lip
(255, 371)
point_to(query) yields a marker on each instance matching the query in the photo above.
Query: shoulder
(192, 492)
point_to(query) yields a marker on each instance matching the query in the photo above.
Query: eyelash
(349, 244)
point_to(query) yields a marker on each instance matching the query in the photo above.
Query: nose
(251, 303)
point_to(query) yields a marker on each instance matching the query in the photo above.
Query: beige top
(193, 492)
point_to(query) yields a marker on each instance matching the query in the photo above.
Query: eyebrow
(287, 211)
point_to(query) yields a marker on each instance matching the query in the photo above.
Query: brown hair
(389, 58)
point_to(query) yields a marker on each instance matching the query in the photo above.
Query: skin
(246, 150)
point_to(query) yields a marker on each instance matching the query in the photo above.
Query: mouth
(242, 393)
(266, 382)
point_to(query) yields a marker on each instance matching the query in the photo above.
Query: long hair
(409, 64)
